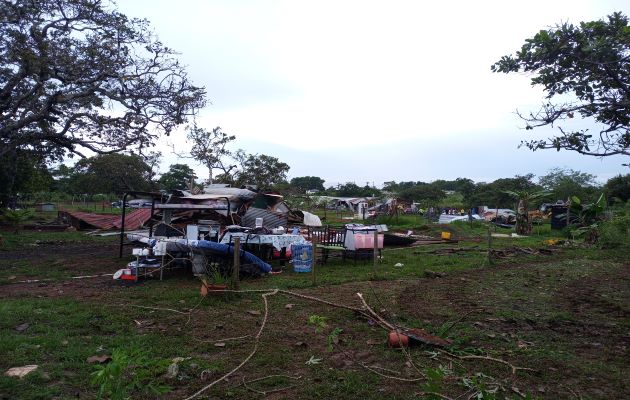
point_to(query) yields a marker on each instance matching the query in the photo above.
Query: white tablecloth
(277, 241)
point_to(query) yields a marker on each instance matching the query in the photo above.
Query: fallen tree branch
(224, 340)
(375, 315)
(498, 360)
(155, 308)
(441, 396)
(266, 392)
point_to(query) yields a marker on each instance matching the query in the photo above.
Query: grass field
(564, 314)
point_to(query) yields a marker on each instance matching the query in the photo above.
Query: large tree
(426, 194)
(495, 194)
(77, 76)
(563, 183)
(618, 187)
(111, 173)
(179, 176)
(210, 149)
(259, 169)
(304, 183)
(22, 173)
(585, 71)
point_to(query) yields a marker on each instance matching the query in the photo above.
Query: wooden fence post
(236, 267)
(314, 241)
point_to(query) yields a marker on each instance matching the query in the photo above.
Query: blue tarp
(228, 250)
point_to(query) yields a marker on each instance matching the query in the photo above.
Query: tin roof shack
(348, 203)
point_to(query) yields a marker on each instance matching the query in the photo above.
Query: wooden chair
(328, 240)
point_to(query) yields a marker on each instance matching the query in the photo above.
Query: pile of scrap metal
(223, 205)
(84, 220)
(233, 206)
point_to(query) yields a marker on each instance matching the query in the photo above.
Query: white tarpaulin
(311, 219)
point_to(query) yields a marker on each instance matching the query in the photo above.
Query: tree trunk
(209, 174)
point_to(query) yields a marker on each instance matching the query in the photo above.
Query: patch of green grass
(30, 239)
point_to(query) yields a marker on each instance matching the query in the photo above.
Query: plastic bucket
(446, 235)
(302, 257)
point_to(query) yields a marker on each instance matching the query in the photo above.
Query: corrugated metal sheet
(270, 219)
(133, 220)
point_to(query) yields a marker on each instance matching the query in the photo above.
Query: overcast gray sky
(370, 91)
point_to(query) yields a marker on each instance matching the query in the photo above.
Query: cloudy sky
(370, 91)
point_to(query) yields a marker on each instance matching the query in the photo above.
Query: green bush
(615, 232)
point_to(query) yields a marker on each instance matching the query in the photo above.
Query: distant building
(45, 207)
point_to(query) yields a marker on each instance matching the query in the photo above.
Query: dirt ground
(71, 260)
(585, 320)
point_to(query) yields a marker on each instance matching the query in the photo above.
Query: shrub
(615, 232)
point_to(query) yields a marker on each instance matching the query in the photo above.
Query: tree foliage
(495, 194)
(589, 64)
(351, 189)
(210, 149)
(178, 176)
(564, 183)
(426, 194)
(77, 75)
(22, 172)
(110, 173)
(258, 169)
(619, 187)
(304, 183)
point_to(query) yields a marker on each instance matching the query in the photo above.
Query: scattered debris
(253, 312)
(432, 274)
(102, 359)
(21, 372)
(399, 265)
(22, 327)
(313, 361)
(514, 251)
(172, 371)
(450, 250)
(407, 337)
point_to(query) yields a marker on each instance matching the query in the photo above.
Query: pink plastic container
(366, 240)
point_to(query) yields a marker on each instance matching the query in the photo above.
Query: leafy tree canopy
(22, 172)
(618, 187)
(256, 169)
(564, 183)
(426, 194)
(111, 173)
(351, 189)
(304, 183)
(496, 194)
(177, 177)
(77, 75)
(210, 149)
(590, 64)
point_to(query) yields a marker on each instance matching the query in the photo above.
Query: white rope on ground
(251, 354)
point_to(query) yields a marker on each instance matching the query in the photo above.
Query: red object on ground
(397, 339)
(404, 338)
